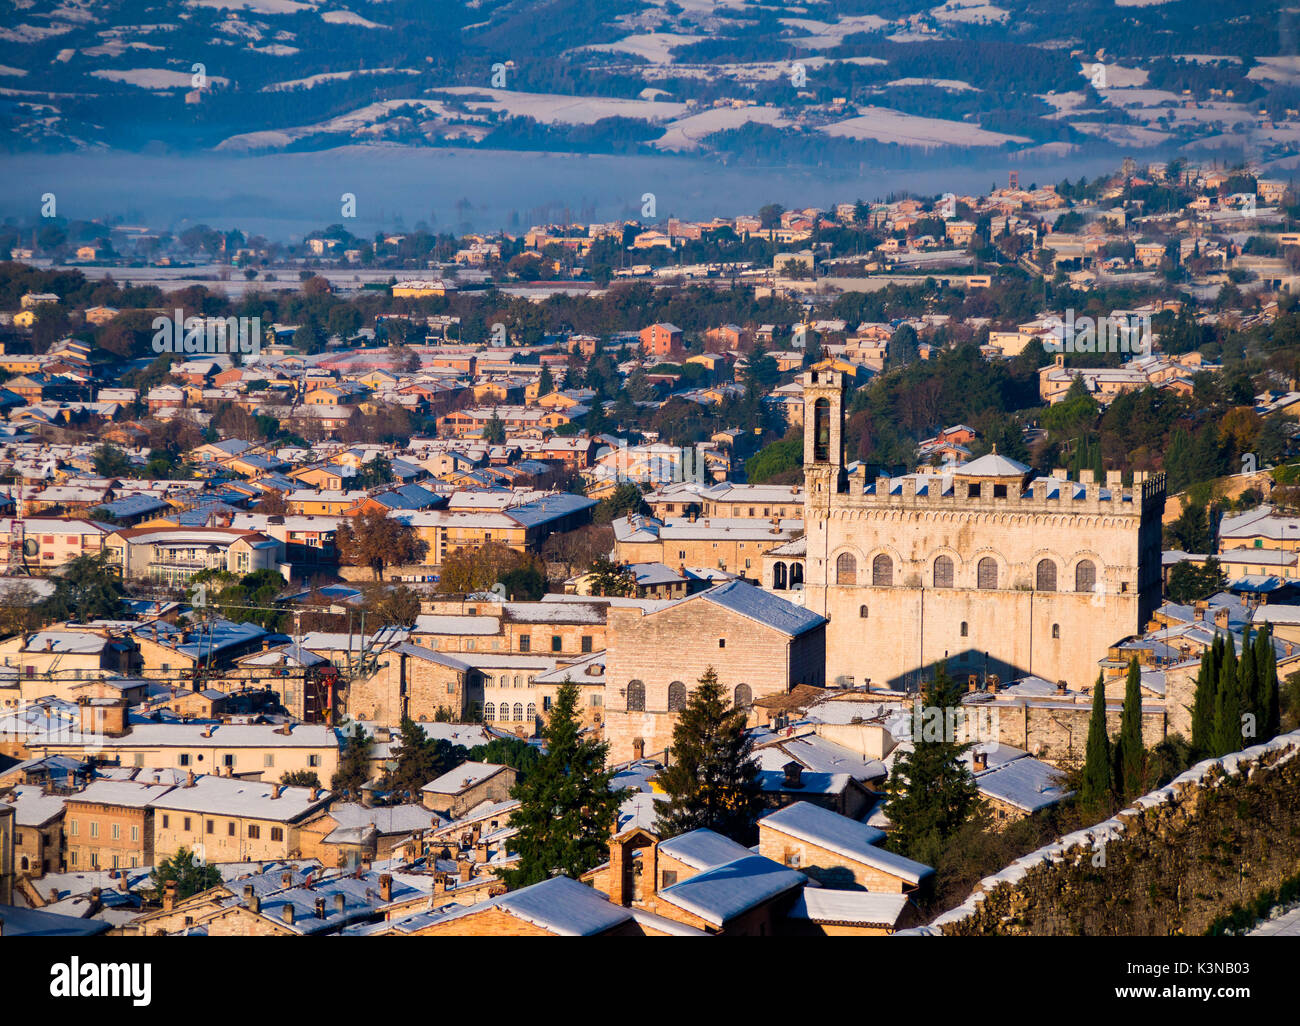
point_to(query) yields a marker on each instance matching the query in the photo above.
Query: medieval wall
(1171, 863)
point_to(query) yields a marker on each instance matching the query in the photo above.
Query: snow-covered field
(826, 34)
(156, 78)
(550, 108)
(256, 6)
(350, 18)
(887, 125)
(1129, 135)
(938, 83)
(330, 76)
(654, 47)
(686, 133)
(969, 12)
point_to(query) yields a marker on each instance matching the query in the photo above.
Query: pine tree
(712, 780)
(931, 793)
(1133, 753)
(545, 383)
(1098, 789)
(567, 809)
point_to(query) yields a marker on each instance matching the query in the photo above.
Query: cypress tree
(931, 792)
(1227, 708)
(1098, 788)
(1132, 753)
(1269, 698)
(1207, 683)
(713, 778)
(1248, 686)
(567, 809)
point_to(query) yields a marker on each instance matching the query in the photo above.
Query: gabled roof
(703, 849)
(845, 837)
(763, 607)
(720, 894)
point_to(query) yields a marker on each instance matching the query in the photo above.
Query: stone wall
(1171, 863)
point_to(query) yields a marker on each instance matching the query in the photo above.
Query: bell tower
(823, 433)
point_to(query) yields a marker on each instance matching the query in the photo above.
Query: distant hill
(886, 81)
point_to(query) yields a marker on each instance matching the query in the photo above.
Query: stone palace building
(987, 566)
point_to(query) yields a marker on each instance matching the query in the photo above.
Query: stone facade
(987, 569)
(655, 656)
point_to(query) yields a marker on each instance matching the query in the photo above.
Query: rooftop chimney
(386, 887)
(286, 879)
(793, 774)
(320, 907)
(286, 913)
(340, 900)
(250, 892)
(1061, 687)
(169, 895)
(466, 870)
(981, 761)
(189, 778)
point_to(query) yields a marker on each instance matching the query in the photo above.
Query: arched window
(676, 696)
(822, 431)
(519, 711)
(25, 864)
(943, 572)
(744, 697)
(846, 569)
(882, 572)
(1046, 576)
(986, 573)
(778, 577)
(1085, 575)
(796, 574)
(862, 612)
(489, 713)
(1056, 630)
(531, 711)
(635, 696)
(965, 629)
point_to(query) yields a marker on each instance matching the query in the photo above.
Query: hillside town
(788, 573)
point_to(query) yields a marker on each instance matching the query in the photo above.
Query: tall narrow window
(1046, 575)
(635, 696)
(986, 573)
(882, 572)
(943, 572)
(822, 431)
(1085, 575)
(778, 577)
(744, 697)
(676, 696)
(846, 569)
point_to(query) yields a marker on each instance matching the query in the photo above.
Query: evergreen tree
(190, 874)
(546, 382)
(1098, 788)
(1227, 707)
(1266, 667)
(1207, 687)
(421, 759)
(354, 763)
(1248, 687)
(567, 809)
(1132, 752)
(931, 793)
(712, 780)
